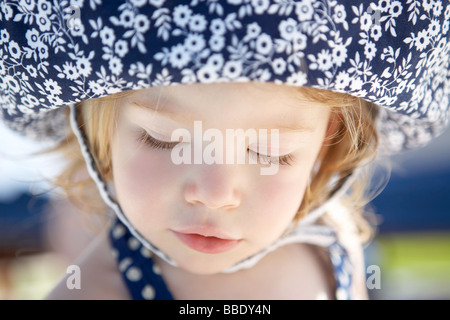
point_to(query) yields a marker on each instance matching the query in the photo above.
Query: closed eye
(287, 159)
(150, 141)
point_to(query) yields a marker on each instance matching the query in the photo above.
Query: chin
(206, 264)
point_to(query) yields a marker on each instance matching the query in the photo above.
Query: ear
(334, 124)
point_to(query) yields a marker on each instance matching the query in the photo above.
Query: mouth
(211, 244)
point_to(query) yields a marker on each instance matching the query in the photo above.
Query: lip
(206, 242)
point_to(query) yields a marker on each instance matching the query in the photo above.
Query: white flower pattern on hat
(393, 53)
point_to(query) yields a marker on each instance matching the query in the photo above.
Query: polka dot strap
(141, 275)
(343, 270)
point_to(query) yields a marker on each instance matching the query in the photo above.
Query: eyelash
(156, 144)
(287, 159)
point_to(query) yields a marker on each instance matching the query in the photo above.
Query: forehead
(261, 102)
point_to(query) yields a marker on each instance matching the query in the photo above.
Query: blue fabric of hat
(393, 53)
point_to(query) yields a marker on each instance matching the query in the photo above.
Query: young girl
(226, 141)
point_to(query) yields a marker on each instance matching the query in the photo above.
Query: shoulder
(94, 276)
(317, 272)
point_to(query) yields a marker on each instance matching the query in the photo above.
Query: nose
(214, 186)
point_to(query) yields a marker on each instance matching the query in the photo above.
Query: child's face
(207, 217)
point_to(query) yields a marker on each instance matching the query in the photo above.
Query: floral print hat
(393, 53)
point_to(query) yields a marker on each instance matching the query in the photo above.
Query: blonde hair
(354, 142)
(352, 147)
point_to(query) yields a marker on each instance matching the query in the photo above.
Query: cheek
(144, 181)
(276, 201)
(140, 175)
(282, 190)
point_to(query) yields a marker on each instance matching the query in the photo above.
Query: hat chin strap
(304, 232)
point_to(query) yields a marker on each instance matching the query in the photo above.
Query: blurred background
(40, 236)
(412, 247)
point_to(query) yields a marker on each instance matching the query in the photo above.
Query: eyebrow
(178, 117)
